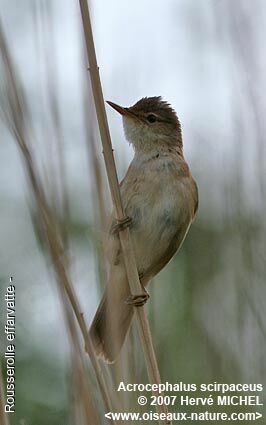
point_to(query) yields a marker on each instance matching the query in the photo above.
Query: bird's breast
(156, 190)
(159, 195)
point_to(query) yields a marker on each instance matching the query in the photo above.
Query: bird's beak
(120, 109)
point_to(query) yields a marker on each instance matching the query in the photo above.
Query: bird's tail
(112, 320)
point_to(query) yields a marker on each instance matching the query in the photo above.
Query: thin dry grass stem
(143, 325)
(45, 63)
(100, 216)
(15, 120)
(100, 210)
(52, 84)
(52, 131)
(3, 416)
(83, 397)
(88, 412)
(94, 159)
(79, 388)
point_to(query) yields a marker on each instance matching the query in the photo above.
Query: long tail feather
(112, 319)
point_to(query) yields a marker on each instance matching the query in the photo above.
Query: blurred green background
(207, 307)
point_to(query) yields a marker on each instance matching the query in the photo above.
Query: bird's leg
(138, 300)
(119, 225)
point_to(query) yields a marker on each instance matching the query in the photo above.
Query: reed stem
(125, 240)
(17, 124)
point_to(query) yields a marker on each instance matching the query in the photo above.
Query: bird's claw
(121, 225)
(137, 300)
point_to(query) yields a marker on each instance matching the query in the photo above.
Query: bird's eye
(151, 118)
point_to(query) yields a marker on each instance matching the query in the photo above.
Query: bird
(160, 200)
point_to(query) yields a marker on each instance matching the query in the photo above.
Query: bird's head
(150, 124)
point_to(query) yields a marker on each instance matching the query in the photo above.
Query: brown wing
(176, 241)
(160, 262)
(176, 231)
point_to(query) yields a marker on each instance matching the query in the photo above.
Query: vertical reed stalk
(80, 381)
(125, 240)
(14, 114)
(96, 174)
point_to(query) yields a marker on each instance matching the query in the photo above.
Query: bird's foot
(120, 225)
(138, 300)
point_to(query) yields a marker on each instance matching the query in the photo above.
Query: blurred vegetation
(207, 308)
